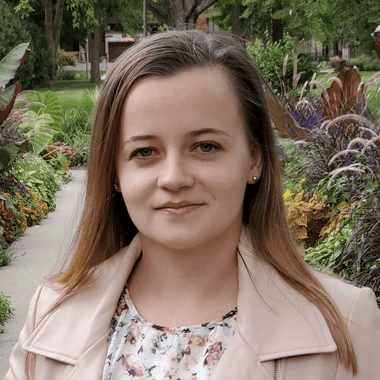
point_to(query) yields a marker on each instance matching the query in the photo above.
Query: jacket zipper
(277, 369)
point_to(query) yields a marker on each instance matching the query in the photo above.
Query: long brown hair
(106, 227)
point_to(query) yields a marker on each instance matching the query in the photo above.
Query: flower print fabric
(141, 350)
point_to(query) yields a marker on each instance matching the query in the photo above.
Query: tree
(38, 69)
(175, 13)
(250, 18)
(328, 21)
(95, 15)
(53, 20)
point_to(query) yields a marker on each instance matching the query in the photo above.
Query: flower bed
(26, 196)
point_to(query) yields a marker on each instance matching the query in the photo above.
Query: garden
(327, 123)
(43, 134)
(328, 133)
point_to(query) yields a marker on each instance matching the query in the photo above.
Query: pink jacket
(279, 334)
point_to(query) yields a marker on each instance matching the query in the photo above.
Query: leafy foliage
(307, 214)
(340, 161)
(39, 127)
(5, 256)
(5, 309)
(34, 172)
(13, 30)
(269, 60)
(65, 59)
(8, 66)
(365, 63)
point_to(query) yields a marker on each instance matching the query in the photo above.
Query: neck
(188, 278)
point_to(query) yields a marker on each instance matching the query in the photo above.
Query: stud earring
(254, 179)
(115, 186)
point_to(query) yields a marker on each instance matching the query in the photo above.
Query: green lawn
(71, 93)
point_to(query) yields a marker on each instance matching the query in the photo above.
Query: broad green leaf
(6, 153)
(11, 62)
(52, 107)
(4, 158)
(37, 129)
(6, 96)
(62, 160)
(8, 203)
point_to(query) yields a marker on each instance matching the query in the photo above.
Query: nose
(175, 174)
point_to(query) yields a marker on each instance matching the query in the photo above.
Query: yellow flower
(302, 180)
(287, 194)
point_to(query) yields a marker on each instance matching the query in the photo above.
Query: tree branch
(203, 6)
(189, 11)
(157, 10)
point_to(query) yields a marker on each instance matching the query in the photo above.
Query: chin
(185, 239)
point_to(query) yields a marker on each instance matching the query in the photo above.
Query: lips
(178, 205)
(178, 208)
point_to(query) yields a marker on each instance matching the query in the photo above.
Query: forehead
(197, 97)
(215, 81)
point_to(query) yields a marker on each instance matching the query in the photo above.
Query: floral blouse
(140, 350)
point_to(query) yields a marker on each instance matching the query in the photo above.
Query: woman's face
(184, 160)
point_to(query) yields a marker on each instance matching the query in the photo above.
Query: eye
(206, 147)
(143, 153)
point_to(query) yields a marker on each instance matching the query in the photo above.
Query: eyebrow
(195, 133)
(203, 131)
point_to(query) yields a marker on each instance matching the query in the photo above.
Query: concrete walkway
(34, 256)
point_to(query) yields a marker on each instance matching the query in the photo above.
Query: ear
(256, 166)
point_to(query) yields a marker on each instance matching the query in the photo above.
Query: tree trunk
(179, 14)
(53, 26)
(96, 39)
(235, 19)
(276, 30)
(263, 36)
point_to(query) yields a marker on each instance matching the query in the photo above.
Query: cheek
(135, 186)
(230, 184)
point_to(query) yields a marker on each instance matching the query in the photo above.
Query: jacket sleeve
(364, 328)
(17, 360)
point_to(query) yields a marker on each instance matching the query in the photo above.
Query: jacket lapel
(274, 322)
(80, 325)
(275, 319)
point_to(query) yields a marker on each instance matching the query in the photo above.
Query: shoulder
(348, 298)
(49, 294)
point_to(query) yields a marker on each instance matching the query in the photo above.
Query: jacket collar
(274, 320)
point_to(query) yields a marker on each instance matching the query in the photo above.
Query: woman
(184, 184)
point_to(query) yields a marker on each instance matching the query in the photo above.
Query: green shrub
(34, 172)
(38, 69)
(72, 75)
(326, 254)
(65, 59)
(5, 309)
(81, 143)
(65, 75)
(41, 58)
(5, 256)
(75, 121)
(365, 63)
(323, 65)
(270, 61)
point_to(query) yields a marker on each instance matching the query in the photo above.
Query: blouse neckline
(177, 330)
